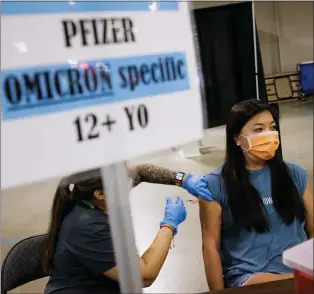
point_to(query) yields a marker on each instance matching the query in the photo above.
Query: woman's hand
(197, 186)
(175, 213)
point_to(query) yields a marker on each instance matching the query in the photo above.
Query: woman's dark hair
(244, 201)
(80, 186)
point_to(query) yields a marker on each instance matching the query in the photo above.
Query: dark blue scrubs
(84, 251)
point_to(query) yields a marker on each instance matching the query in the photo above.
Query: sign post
(92, 84)
(117, 191)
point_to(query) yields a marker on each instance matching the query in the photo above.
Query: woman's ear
(236, 139)
(99, 195)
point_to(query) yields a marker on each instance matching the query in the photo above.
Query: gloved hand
(175, 213)
(197, 186)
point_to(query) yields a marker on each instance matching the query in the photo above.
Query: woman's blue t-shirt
(245, 252)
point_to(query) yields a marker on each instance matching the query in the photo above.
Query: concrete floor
(25, 211)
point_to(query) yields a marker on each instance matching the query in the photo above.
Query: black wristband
(179, 179)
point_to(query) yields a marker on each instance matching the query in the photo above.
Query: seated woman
(262, 205)
(79, 254)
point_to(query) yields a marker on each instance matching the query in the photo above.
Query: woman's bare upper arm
(210, 217)
(308, 203)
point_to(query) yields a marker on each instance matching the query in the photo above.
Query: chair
(306, 76)
(23, 263)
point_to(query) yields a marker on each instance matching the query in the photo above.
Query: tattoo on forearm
(134, 176)
(152, 174)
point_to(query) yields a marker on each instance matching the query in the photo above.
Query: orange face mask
(263, 145)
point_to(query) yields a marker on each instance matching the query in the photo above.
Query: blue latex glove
(175, 213)
(197, 186)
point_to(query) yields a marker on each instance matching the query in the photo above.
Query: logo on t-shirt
(267, 200)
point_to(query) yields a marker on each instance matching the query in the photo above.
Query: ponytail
(84, 185)
(63, 203)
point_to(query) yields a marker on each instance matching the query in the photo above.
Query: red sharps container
(300, 260)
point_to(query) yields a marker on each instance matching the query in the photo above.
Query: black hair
(80, 186)
(244, 201)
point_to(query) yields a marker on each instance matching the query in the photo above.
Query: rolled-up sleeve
(300, 177)
(216, 187)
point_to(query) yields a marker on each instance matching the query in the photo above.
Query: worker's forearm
(152, 174)
(155, 256)
(213, 269)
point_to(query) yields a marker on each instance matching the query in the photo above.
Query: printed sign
(84, 84)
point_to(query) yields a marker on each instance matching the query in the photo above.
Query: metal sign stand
(200, 147)
(117, 198)
(255, 51)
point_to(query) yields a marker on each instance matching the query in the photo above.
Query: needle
(191, 201)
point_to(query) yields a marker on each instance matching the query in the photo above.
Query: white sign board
(85, 84)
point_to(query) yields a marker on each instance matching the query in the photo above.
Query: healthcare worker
(79, 254)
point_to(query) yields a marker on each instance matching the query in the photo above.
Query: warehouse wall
(267, 26)
(295, 33)
(285, 32)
